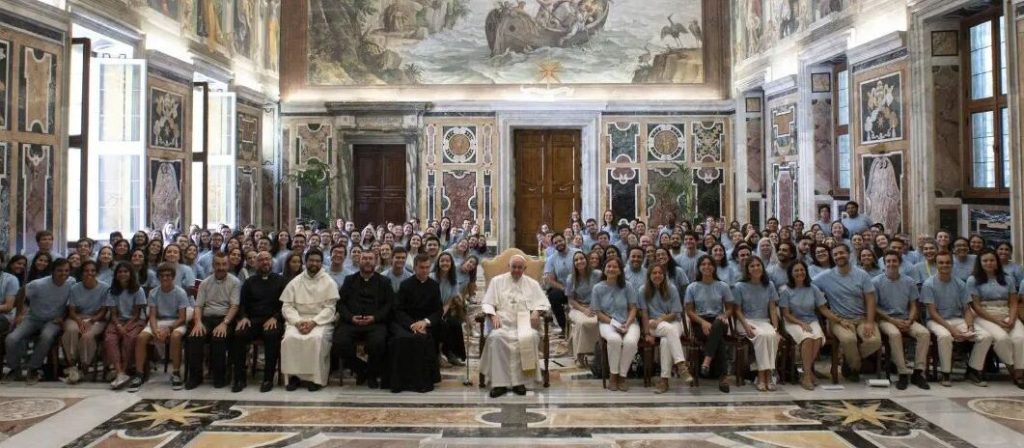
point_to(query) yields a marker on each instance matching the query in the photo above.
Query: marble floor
(574, 411)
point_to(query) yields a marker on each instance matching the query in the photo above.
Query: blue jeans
(45, 332)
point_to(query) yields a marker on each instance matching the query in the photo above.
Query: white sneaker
(73, 375)
(120, 381)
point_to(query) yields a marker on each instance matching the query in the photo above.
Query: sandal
(761, 387)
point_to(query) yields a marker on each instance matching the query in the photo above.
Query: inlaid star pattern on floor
(870, 413)
(180, 414)
(199, 422)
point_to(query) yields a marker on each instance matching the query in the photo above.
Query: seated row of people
(604, 304)
(301, 321)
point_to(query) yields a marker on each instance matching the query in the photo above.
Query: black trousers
(714, 345)
(451, 338)
(194, 348)
(558, 300)
(375, 338)
(271, 346)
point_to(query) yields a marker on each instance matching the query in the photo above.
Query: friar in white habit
(513, 304)
(309, 310)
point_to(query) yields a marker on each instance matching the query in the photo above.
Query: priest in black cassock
(417, 309)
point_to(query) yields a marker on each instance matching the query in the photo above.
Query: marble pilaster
(810, 59)
(740, 157)
(920, 179)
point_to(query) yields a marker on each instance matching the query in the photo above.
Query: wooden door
(547, 171)
(379, 194)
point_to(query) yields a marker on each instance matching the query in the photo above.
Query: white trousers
(621, 348)
(1008, 345)
(670, 346)
(982, 342)
(765, 342)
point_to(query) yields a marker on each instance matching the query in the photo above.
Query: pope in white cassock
(513, 304)
(308, 310)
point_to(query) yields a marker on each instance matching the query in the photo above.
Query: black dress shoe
(293, 384)
(498, 391)
(372, 383)
(313, 387)
(189, 385)
(902, 383)
(919, 380)
(360, 378)
(238, 387)
(266, 386)
(220, 384)
(519, 390)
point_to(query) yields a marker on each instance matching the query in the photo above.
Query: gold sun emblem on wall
(547, 72)
(180, 414)
(870, 414)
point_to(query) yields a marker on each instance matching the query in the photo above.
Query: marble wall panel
(946, 125)
(666, 142)
(37, 103)
(166, 198)
(824, 152)
(247, 183)
(35, 193)
(267, 197)
(458, 170)
(166, 119)
(313, 141)
(784, 187)
(458, 144)
(783, 130)
(284, 210)
(661, 200)
(5, 83)
(707, 141)
(248, 137)
(710, 189)
(458, 195)
(881, 109)
(32, 59)
(879, 124)
(883, 191)
(755, 154)
(5, 194)
(623, 190)
(651, 147)
(623, 141)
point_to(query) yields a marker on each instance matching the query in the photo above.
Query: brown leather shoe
(623, 387)
(662, 386)
(807, 382)
(613, 382)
